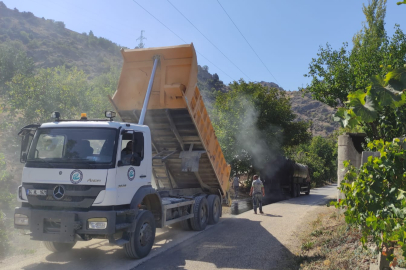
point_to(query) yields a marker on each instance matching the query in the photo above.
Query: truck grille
(75, 196)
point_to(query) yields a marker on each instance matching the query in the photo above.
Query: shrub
(6, 203)
(4, 236)
(375, 198)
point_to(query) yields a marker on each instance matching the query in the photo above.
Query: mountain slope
(319, 113)
(308, 109)
(50, 44)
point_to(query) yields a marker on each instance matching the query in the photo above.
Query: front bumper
(63, 226)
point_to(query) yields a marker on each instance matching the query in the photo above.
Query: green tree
(253, 123)
(101, 87)
(336, 73)
(34, 98)
(13, 61)
(379, 110)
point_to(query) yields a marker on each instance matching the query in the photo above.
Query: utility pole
(141, 38)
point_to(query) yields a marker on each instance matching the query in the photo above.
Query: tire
(308, 189)
(214, 209)
(142, 239)
(57, 247)
(201, 214)
(185, 225)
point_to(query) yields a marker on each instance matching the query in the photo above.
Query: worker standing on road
(257, 192)
(236, 185)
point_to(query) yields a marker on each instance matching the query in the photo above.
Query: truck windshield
(94, 145)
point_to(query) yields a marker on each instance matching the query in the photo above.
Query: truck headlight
(20, 220)
(97, 223)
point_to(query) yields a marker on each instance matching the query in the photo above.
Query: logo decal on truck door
(131, 173)
(76, 176)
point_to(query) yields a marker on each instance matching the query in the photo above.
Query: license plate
(37, 192)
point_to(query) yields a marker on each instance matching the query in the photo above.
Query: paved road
(246, 241)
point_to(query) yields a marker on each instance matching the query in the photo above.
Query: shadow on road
(270, 215)
(234, 243)
(98, 254)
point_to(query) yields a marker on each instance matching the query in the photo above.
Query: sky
(286, 35)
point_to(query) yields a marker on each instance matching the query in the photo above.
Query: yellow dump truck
(161, 164)
(180, 126)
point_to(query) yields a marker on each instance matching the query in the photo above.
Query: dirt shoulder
(326, 242)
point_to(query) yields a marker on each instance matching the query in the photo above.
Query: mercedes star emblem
(59, 192)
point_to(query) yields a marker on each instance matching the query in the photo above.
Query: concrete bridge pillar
(349, 148)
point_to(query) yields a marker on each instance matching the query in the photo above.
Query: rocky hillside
(308, 109)
(50, 44)
(319, 113)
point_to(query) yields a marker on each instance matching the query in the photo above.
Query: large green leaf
(396, 80)
(346, 117)
(362, 105)
(379, 94)
(339, 115)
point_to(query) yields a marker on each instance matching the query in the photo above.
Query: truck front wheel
(201, 214)
(57, 247)
(214, 209)
(142, 239)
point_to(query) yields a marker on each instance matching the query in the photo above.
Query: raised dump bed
(186, 152)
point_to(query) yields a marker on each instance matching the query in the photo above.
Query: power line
(247, 41)
(208, 40)
(180, 38)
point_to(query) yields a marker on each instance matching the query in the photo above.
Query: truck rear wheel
(201, 214)
(57, 247)
(214, 209)
(142, 239)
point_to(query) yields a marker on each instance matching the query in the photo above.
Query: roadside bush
(6, 181)
(375, 198)
(6, 203)
(4, 236)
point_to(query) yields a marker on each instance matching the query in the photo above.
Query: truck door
(130, 177)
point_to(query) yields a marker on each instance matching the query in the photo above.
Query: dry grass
(329, 244)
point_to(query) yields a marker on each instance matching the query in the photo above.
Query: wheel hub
(215, 209)
(145, 234)
(203, 215)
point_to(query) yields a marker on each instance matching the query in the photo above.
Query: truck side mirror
(25, 144)
(23, 157)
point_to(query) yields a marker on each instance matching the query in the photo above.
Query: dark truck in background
(284, 178)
